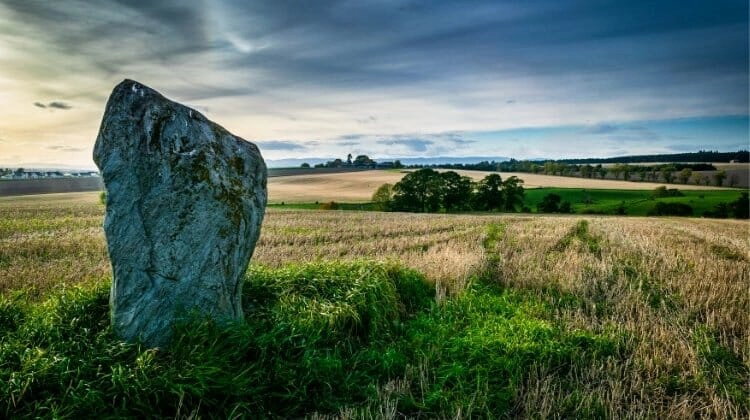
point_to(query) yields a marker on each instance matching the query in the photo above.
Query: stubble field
(359, 186)
(531, 316)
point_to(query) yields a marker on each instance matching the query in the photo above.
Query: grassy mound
(320, 338)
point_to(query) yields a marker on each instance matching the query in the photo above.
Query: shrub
(331, 205)
(662, 191)
(671, 209)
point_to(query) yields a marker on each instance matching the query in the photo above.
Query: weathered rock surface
(185, 201)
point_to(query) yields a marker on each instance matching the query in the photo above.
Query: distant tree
(363, 160)
(685, 175)
(670, 209)
(383, 197)
(566, 207)
(336, 163)
(733, 180)
(418, 191)
(626, 170)
(719, 177)
(667, 172)
(456, 191)
(305, 165)
(550, 204)
(320, 165)
(720, 211)
(642, 174)
(602, 172)
(616, 171)
(397, 164)
(349, 159)
(740, 208)
(489, 194)
(586, 171)
(19, 172)
(697, 178)
(513, 193)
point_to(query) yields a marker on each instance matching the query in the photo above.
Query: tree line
(670, 173)
(429, 191)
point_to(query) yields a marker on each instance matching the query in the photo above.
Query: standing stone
(185, 201)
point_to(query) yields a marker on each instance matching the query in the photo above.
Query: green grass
(318, 338)
(636, 202)
(584, 201)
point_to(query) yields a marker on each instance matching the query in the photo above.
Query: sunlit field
(359, 186)
(530, 316)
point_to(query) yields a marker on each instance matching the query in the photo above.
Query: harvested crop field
(597, 316)
(359, 186)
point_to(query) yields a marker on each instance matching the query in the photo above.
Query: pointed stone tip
(134, 86)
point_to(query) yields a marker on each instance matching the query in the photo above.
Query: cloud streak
(54, 105)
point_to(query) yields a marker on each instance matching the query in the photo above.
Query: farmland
(436, 315)
(359, 186)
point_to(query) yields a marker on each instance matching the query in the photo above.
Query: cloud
(600, 129)
(59, 105)
(368, 120)
(413, 144)
(286, 145)
(61, 148)
(53, 104)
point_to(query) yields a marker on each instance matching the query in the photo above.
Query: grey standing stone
(185, 202)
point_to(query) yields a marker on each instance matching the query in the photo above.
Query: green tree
(305, 165)
(719, 177)
(626, 170)
(697, 178)
(667, 173)
(383, 197)
(740, 208)
(586, 171)
(363, 160)
(489, 194)
(602, 172)
(456, 191)
(616, 171)
(549, 204)
(513, 193)
(685, 175)
(418, 191)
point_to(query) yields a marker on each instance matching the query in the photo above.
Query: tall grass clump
(317, 337)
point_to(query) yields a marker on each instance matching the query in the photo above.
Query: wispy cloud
(54, 105)
(284, 145)
(602, 128)
(61, 148)
(415, 145)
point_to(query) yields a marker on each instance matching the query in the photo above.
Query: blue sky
(526, 79)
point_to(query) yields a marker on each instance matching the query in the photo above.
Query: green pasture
(635, 202)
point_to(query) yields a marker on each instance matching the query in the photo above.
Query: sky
(524, 79)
